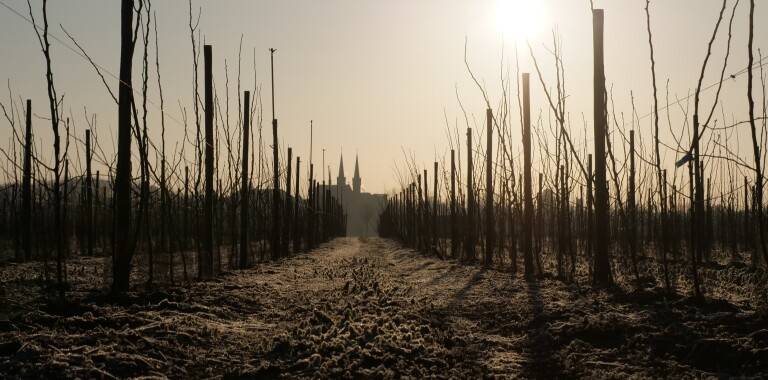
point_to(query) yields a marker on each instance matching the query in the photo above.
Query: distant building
(362, 209)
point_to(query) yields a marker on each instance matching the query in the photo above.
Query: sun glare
(520, 19)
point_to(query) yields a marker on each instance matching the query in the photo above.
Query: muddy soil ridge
(368, 308)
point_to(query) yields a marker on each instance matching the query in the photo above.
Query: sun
(520, 19)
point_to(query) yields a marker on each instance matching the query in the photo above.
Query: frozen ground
(367, 308)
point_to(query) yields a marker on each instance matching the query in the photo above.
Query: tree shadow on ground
(540, 346)
(461, 295)
(447, 272)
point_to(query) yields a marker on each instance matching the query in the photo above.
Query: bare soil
(368, 308)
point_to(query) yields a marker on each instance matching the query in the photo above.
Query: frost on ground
(367, 308)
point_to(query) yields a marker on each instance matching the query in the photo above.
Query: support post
(297, 218)
(245, 186)
(207, 254)
(288, 209)
(602, 269)
(275, 246)
(489, 222)
(454, 234)
(470, 225)
(527, 185)
(26, 188)
(435, 203)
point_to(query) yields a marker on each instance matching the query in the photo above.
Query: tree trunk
(758, 202)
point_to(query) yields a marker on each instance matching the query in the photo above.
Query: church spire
(341, 180)
(356, 179)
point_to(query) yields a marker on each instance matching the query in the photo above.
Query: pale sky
(376, 76)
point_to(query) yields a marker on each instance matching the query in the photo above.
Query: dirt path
(369, 308)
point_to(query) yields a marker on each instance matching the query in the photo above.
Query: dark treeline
(165, 218)
(611, 216)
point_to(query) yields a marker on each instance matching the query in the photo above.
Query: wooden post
(435, 203)
(489, 222)
(590, 246)
(632, 234)
(26, 188)
(64, 224)
(425, 217)
(165, 219)
(322, 203)
(454, 234)
(602, 270)
(407, 213)
(710, 233)
(327, 207)
(88, 195)
(245, 186)
(311, 210)
(185, 236)
(693, 216)
(470, 224)
(527, 185)
(122, 251)
(287, 231)
(540, 223)
(559, 221)
(311, 205)
(412, 214)
(297, 219)
(420, 215)
(207, 254)
(747, 226)
(666, 230)
(318, 212)
(275, 247)
(404, 214)
(322, 197)
(97, 220)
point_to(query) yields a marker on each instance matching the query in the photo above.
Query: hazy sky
(376, 76)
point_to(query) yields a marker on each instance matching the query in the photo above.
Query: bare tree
(758, 198)
(54, 104)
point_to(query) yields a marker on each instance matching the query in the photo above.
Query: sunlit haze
(381, 78)
(521, 19)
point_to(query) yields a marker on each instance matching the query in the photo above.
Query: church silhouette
(362, 209)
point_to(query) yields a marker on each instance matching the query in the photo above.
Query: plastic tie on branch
(688, 157)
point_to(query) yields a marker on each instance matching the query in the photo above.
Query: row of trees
(209, 213)
(613, 210)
